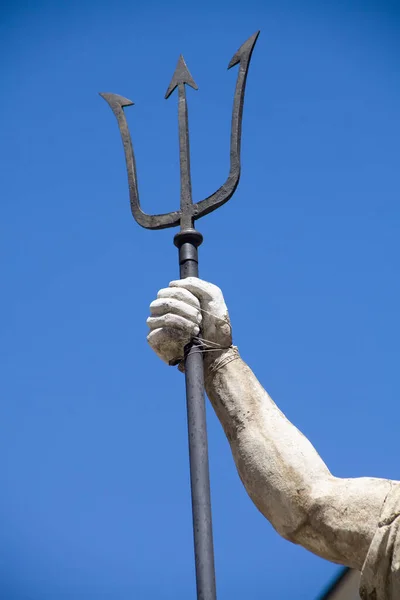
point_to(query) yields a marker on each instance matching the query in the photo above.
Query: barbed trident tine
(187, 241)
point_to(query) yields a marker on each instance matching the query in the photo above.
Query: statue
(353, 522)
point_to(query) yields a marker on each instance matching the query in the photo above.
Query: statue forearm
(276, 463)
(285, 476)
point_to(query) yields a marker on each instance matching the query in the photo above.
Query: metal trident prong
(179, 79)
(188, 240)
(117, 103)
(188, 211)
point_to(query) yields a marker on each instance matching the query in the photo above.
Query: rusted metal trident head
(188, 212)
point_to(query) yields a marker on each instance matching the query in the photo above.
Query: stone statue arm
(282, 472)
(286, 478)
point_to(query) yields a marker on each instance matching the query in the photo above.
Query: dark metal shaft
(187, 242)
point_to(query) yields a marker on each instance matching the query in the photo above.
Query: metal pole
(188, 241)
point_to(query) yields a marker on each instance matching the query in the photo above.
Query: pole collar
(188, 236)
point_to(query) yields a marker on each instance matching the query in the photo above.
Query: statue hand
(179, 313)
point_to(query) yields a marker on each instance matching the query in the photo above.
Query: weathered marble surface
(354, 522)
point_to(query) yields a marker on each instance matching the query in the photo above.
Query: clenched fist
(186, 309)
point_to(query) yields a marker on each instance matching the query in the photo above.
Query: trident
(187, 242)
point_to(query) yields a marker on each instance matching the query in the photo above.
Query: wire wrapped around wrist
(229, 353)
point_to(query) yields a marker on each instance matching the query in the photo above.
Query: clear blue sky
(94, 500)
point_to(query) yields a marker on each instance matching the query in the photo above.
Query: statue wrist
(215, 361)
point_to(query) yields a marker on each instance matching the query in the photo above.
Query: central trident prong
(188, 240)
(179, 79)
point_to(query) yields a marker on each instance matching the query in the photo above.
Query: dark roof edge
(333, 586)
